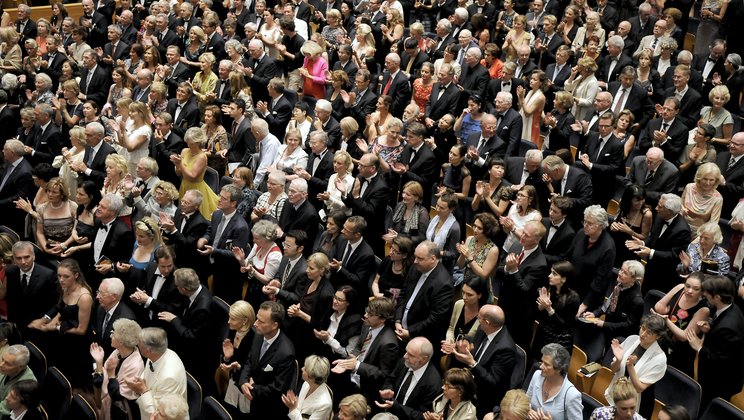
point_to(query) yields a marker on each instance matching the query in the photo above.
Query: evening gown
(78, 368)
(679, 353)
(209, 201)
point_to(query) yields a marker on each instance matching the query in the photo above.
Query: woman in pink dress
(313, 70)
(422, 86)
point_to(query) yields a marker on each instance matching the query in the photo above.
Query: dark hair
(164, 252)
(462, 380)
(339, 218)
(480, 287)
(631, 192)
(302, 106)
(44, 172)
(276, 309)
(352, 298)
(93, 192)
(564, 204)
(137, 48)
(709, 130)
(490, 224)
(477, 100)
(565, 156)
(27, 392)
(564, 269)
(300, 237)
(676, 412)
(720, 286)
(239, 103)
(7, 331)
(405, 246)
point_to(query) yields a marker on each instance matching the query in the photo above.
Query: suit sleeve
(497, 373)
(633, 317)
(265, 76)
(54, 144)
(388, 359)
(439, 313)
(166, 385)
(199, 323)
(360, 277)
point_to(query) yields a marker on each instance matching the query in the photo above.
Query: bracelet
(469, 260)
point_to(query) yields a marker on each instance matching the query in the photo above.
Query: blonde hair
(77, 135)
(243, 311)
(516, 403)
(117, 162)
(149, 227)
(356, 403)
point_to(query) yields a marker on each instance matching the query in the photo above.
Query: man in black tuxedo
(278, 111)
(491, 358)
(732, 173)
(164, 37)
(16, 182)
(110, 308)
(547, 43)
(436, 47)
(721, 349)
(94, 80)
(345, 63)
(164, 144)
(111, 242)
(572, 183)
(520, 275)
(507, 84)
(508, 124)
(325, 122)
(46, 142)
(400, 396)
(126, 20)
(611, 65)
(425, 302)
(115, 49)
(602, 157)
(353, 261)
(417, 162)
(52, 60)
(291, 272)
(656, 174)
(710, 64)
(25, 26)
(173, 72)
(444, 96)
(156, 289)
(8, 119)
(474, 77)
(525, 65)
(269, 371)
(689, 98)
(261, 68)
(221, 95)
(365, 99)
(106, 8)
(623, 31)
(627, 94)
(558, 231)
(643, 23)
(93, 166)
(608, 16)
(242, 142)
(192, 334)
(412, 58)
(395, 84)
(684, 57)
(187, 20)
(368, 198)
(527, 171)
(669, 133)
(226, 230)
(141, 91)
(487, 144)
(484, 7)
(215, 42)
(319, 167)
(299, 213)
(184, 109)
(95, 23)
(372, 360)
(31, 289)
(670, 235)
(184, 230)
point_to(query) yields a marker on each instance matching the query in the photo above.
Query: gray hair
(9, 81)
(186, 278)
(116, 28)
(672, 202)
(198, 196)
(711, 228)
(278, 177)
(533, 155)
(597, 214)
(684, 55)
(195, 135)
(173, 406)
(115, 203)
(236, 194)
(16, 146)
(114, 287)
(433, 248)
(23, 245)
(616, 41)
(324, 105)
(265, 229)
(462, 13)
(150, 164)
(21, 353)
(560, 356)
(635, 269)
(317, 368)
(43, 77)
(127, 332)
(261, 127)
(506, 96)
(446, 24)
(475, 51)
(26, 8)
(97, 128)
(236, 45)
(644, 7)
(318, 135)
(300, 184)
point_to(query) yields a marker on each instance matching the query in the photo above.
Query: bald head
(492, 318)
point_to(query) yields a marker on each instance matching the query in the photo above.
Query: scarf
(441, 237)
(411, 222)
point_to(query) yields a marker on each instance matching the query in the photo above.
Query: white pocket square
(268, 368)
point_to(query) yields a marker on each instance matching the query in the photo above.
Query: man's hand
(166, 316)
(138, 385)
(402, 333)
(139, 296)
(342, 365)
(247, 388)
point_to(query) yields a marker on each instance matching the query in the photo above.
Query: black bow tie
(103, 227)
(556, 227)
(149, 364)
(711, 60)
(506, 83)
(317, 155)
(499, 115)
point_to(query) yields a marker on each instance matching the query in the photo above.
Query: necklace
(62, 203)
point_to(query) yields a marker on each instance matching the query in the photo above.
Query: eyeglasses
(339, 299)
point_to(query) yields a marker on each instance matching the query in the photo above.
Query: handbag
(235, 398)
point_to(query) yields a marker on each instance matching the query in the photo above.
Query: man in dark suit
(572, 183)
(110, 308)
(642, 24)
(547, 43)
(269, 371)
(425, 302)
(508, 124)
(173, 72)
(689, 98)
(156, 289)
(436, 47)
(412, 58)
(164, 37)
(93, 166)
(353, 261)
(215, 42)
(486, 144)
(184, 110)
(184, 230)
(31, 289)
(395, 84)
(558, 231)
(656, 174)
(670, 235)
(291, 272)
(627, 94)
(507, 84)
(187, 20)
(222, 95)
(164, 144)
(278, 111)
(261, 68)
(721, 349)
(710, 64)
(487, 9)
(417, 162)
(126, 20)
(559, 71)
(25, 26)
(368, 198)
(611, 65)
(602, 157)
(115, 49)
(143, 86)
(683, 58)
(527, 171)
(669, 133)
(226, 230)
(406, 400)
(491, 358)
(525, 65)
(112, 241)
(559, 124)
(106, 8)
(242, 142)
(94, 80)
(319, 167)
(95, 23)
(732, 172)
(345, 63)
(524, 271)
(365, 99)
(373, 359)
(46, 141)
(192, 333)
(325, 122)
(444, 96)
(52, 60)
(474, 77)
(299, 213)
(16, 183)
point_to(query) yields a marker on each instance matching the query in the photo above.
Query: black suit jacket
(544, 58)
(119, 241)
(604, 67)
(97, 34)
(216, 45)
(721, 352)
(9, 121)
(691, 104)
(20, 183)
(141, 95)
(288, 294)
(304, 218)
(664, 180)
(263, 71)
(170, 38)
(98, 89)
(636, 32)
(333, 129)
(120, 53)
(359, 267)
(278, 116)
(54, 67)
(242, 143)
(473, 81)
(98, 166)
(423, 169)
(187, 118)
(179, 74)
(509, 131)
(379, 361)
(184, 241)
(494, 87)
(439, 52)
(560, 136)
(579, 190)
(667, 82)
(269, 384)
(365, 106)
(493, 371)
(103, 337)
(676, 137)
(447, 104)
(627, 316)
(319, 179)
(515, 170)
(661, 270)
(560, 79)
(370, 206)
(638, 102)
(46, 145)
(161, 152)
(606, 163)
(29, 31)
(431, 308)
(193, 332)
(560, 243)
(400, 91)
(734, 188)
(422, 395)
(168, 298)
(35, 300)
(495, 146)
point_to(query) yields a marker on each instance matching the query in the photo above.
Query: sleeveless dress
(209, 203)
(531, 123)
(141, 265)
(57, 229)
(390, 283)
(479, 258)
(77, 369)
(679, 353)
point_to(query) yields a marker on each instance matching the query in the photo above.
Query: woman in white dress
(342, 167)
(531, 106)
(582, 84)
(523, 210)
(270, 34)
(315, 401)
(137, 140)
(290, 154)
(70, 157)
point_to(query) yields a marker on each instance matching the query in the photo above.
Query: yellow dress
(209, 201)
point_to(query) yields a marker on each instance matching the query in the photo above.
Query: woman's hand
(294, 310)
(685, 259)
(24, 205)
(389, 236)
(543, 300)
(96, 352)
(290, 400)
(463, 250)
(322, 335)
(324, 196)
(617, 349)
(227, 349)
(123, 267)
